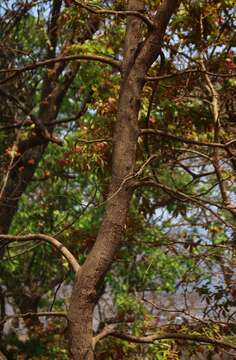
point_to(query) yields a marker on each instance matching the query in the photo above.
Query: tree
(174, 81)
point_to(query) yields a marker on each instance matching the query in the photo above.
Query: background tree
(126, 161)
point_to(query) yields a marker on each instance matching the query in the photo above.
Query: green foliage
(178, 238)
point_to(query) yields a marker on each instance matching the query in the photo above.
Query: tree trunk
(138, 57)
(87, 285)
(81, 327)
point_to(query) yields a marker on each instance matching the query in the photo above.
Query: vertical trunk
(108, 241)
(81, 317)
(138, 57)
(87, 285)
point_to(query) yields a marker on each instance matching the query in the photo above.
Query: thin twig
(186, 141)
(189, 71)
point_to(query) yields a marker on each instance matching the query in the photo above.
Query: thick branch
(49, 239)
(103, 59)
(151, 47)
(149, 339)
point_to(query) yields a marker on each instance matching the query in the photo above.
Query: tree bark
(138, 57)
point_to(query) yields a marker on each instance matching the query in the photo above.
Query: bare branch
(189, 71)
(49, 239)
(186, 141)
(150, 339)
(100, 11)
(185, 197)
(93, 141)
(28, 123)
(93, 57)
(215, 109)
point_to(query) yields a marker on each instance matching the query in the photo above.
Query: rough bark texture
(138, 57)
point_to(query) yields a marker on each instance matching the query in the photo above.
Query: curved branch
(149, 339)
(49, 239)
(103, 59)
(100, 11)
